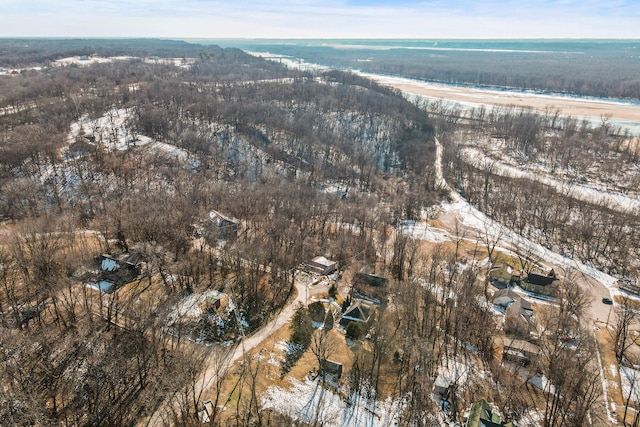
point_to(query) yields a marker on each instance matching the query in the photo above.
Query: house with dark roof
(117, 270)
(359, 311)
(220, 227)
(331, 368)
(540, 284)
(370, 287)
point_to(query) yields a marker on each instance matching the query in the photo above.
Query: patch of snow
(103, 285)
(455, 370)
(630, 380)
(191, 306)
(587, 193)
(309, 402)
(542, 383)
(421, 230)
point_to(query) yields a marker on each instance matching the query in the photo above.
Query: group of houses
(502, 275)
(520, 321)
(368, 291)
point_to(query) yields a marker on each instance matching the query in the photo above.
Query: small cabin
(331, 368)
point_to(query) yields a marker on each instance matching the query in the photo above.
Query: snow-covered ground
(113, 131)
(309, 402)
(423, 231)
(88, 60)
(586, 192)
(191, 306)
(630, 380)
(290, 62)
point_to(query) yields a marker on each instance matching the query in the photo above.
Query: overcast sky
(321, 19)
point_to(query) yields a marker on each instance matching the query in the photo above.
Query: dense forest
(288, 154)
(595, 68)
(158, 210)
(598, 231)
(19, 53)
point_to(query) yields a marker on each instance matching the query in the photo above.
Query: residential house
(540, 284)
(505, 297)
(501, 275)
(514, 303)
(482, 415)
(359, 311)
(520, 307)
(370, 287)
(331, 368)
(117, 270)
(321, 265)
(220, 227)
(520, 320)
(441, 386)
(520, 351)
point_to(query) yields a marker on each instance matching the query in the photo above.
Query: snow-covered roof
(109, 264)
(217, 217)
(323, 261)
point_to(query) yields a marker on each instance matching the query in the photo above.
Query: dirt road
(247, 344)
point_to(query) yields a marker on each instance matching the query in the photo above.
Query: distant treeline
(23, 52)
(605, 68)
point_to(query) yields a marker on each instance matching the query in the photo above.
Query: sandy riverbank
(465, 95)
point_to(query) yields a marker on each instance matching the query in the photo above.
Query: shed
(213, 302)
(329, 367)
(441, 386)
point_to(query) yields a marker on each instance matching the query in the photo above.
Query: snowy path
(472, 218)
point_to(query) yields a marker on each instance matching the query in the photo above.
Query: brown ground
(614, 390)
